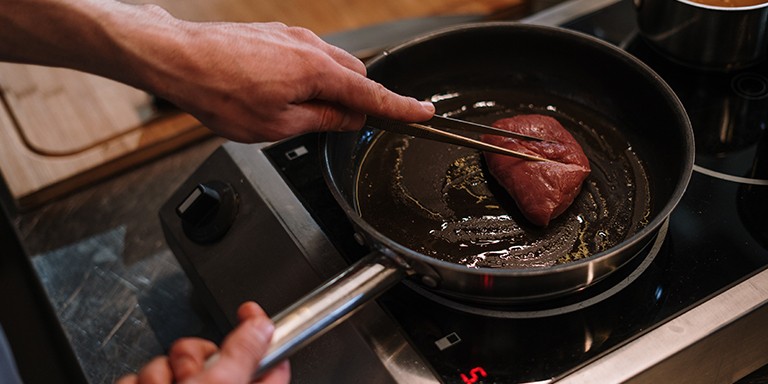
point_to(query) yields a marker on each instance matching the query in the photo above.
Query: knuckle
(156, 9)
(277, 24)
(301, 32)
(217, 375)
(182, 346)
(329, 120)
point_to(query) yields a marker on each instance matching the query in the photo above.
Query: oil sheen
(440, 200)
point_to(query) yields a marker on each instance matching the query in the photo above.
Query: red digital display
(474, 375)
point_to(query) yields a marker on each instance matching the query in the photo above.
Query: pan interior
(441, 201)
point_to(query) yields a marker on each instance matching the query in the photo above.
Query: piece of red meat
(541, 189)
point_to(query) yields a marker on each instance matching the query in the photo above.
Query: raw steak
(542, 189)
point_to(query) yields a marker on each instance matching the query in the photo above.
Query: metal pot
(474, 66)
(705, 36)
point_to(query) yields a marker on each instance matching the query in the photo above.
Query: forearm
(246, 81)
(103, 37)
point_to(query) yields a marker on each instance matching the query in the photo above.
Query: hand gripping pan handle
(327, 306)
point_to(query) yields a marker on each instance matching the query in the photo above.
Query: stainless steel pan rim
(633, 241)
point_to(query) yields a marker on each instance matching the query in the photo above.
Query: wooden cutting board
(61, 129)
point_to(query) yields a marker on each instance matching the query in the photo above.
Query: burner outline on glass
(655, 247)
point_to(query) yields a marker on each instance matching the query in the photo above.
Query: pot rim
(722, 8)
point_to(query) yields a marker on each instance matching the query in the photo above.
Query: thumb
(242, 351)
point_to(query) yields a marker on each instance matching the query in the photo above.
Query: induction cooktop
(691, 308)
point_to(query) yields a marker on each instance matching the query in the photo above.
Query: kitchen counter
(116, 290)
(114, 287)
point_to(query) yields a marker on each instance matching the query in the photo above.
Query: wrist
(146, 43)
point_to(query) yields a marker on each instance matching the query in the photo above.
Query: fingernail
(428, 106)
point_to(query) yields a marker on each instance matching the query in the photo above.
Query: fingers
(128, 379)
(250, 310)
(321, 116)
(156, 371)
(374, 99)
(347, 86)
(339, 55)
(238, 358)
(187, 357)
(346, 59)
(371, 98)
(244, 347)
(236, 362)
(281, 373)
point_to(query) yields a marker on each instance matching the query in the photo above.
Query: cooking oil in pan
(440, 199)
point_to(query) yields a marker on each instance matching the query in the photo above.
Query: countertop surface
(116, 289)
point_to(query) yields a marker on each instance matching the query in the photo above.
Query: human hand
(245, 81)
(239, 356)
(254, 82)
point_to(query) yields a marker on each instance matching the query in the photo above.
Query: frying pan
(421, 205)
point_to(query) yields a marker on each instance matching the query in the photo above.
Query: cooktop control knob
(208, 211)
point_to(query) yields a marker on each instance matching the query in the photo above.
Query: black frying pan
(431, 212)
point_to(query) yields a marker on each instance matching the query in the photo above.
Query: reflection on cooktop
(728, 111)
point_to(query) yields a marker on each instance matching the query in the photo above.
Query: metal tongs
(437, 129)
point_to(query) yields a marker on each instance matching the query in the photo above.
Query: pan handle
(327, 306)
